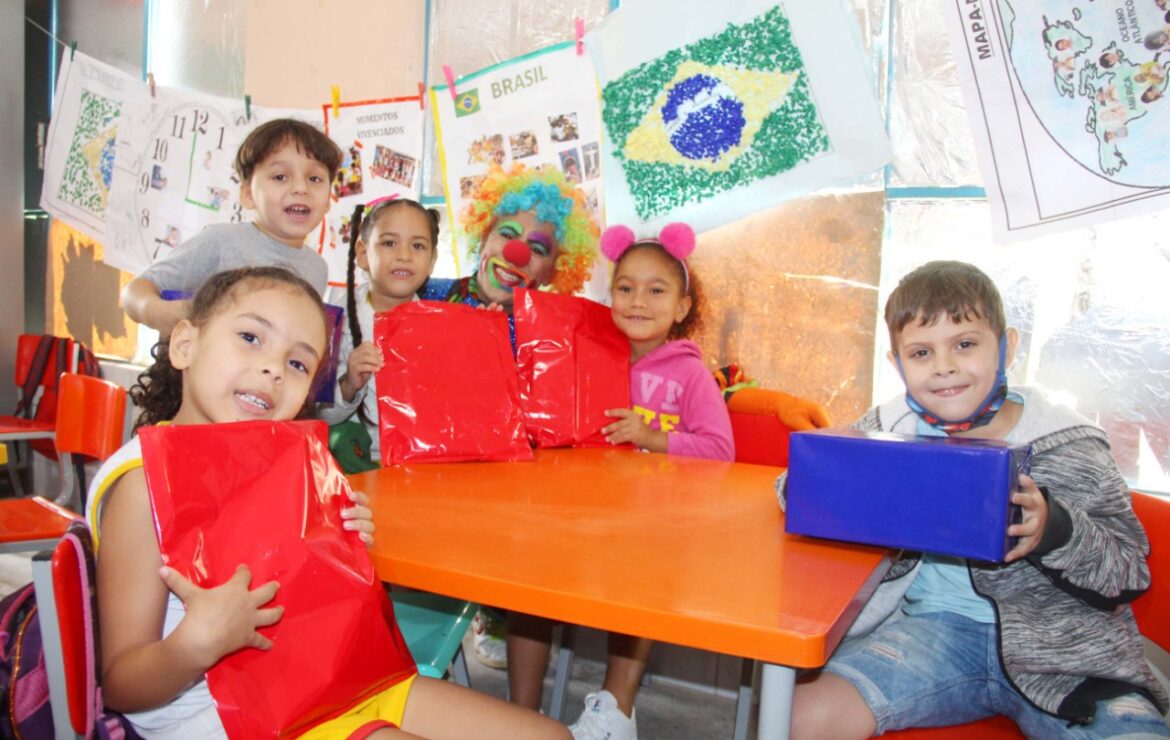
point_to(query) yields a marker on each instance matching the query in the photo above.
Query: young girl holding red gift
(249, 350)
(395, 241)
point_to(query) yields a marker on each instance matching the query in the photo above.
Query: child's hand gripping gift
(268, 495)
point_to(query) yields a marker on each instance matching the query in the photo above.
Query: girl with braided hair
(394, 241)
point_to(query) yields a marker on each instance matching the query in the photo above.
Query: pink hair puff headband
(678, 239)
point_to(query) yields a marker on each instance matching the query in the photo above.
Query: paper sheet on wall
(730, 107)
(538, 109)
(381, 143)
(1068, 104)
(89, 106)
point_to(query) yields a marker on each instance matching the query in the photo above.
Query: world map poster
(1068, 103)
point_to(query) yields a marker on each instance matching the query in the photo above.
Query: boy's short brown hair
(268, 137)
(961, 291)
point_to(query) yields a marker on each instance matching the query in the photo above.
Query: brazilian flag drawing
(466, 103)
(715, 115)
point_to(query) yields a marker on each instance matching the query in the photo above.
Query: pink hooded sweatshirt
(674, 391)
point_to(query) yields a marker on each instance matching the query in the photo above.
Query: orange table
(675, 549)
(32, 523)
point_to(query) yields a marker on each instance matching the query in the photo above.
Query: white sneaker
(603, 720)
(490, 647)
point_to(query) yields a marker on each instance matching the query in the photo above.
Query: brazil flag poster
(731, 107)
(540, 109)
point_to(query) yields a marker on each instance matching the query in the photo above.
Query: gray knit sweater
(1067, 635)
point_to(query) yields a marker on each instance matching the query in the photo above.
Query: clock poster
(173, 173)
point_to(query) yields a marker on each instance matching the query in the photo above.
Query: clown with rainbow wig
(525, 228)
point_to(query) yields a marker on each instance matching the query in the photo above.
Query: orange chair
(90, 422)
(1150, 610)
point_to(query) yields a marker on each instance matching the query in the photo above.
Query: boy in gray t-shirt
(286, 168)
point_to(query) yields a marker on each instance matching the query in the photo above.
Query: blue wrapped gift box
(943, 495)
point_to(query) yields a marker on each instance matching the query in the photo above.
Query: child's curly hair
(546, 193)
(159, 390)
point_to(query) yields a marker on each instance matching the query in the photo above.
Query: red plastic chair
(64, 581)
(1150, 610)
(90, 422)
(36, 425)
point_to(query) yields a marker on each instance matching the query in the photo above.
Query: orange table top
(682, 550)
(32, 518)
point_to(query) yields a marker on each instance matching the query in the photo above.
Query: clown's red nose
(517, 252)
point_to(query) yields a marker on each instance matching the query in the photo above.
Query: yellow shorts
(386, 707)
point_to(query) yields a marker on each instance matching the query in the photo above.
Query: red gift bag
(268, 495)
(574, 364)
(448, 390)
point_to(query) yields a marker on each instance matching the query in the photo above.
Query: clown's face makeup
(518, 252)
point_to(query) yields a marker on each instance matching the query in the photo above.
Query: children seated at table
(249, 350)
(678, 409)
(395, 244)
(1047, 637)
(285, 169)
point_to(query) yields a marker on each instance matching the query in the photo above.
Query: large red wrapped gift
(268, 495)
(574, 365)
(448, 390)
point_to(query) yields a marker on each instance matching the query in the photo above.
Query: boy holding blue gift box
(1047, 637)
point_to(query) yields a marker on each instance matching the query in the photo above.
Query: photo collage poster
(540, 109)
(381, 143)
(1068, 104)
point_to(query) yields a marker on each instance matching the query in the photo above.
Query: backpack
(51, 357)
(25, 711)
(24, 686)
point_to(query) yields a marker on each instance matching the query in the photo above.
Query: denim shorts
(939, 669)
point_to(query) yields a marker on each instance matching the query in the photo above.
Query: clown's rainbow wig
(545, 192)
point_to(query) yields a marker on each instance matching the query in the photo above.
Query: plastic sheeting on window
(198, 44)
(928, 126)
(1092, 308)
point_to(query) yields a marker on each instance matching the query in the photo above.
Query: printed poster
(1068, 104)
(540, 109)
(729, 108)
(382, 144)
(89, 105)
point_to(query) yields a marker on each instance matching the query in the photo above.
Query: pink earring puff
(678, 239)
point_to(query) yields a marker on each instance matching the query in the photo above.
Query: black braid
(355, 227)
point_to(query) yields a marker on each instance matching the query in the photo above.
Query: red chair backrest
(760, 438)
(73, 574)
(91, 416)
(26, 349)
(1152, 608)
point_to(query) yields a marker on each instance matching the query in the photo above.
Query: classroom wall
(11, 192)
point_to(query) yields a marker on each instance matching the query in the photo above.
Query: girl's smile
(254, 359)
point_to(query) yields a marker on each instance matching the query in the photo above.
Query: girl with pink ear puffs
(677, 409)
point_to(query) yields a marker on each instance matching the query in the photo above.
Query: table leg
(776, 702)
